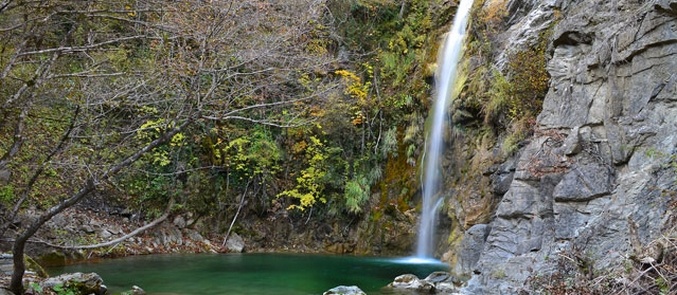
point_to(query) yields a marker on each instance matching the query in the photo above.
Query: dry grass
(493, 12)
(643, 275)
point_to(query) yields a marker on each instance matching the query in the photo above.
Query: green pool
(250, 273)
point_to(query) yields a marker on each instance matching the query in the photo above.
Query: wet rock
(528, 19)
(32, 267)
(6, 264)
(345, 290)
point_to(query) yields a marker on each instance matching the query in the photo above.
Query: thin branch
(39, 75)
(34, 178)
(266, 122)
(244, 194)
(120, 239)
(71, 49)
(87, 74)
(18, 139)
(90, 184)
(4, 5)
(133, 21)
(13, 59)
(231, 113)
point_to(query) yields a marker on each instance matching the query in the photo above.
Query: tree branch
(31, 182)
(4, 5)
(264, 121)
(71, 49)
(244, 194)
(90, 184)
(118, 240)
(18, 140)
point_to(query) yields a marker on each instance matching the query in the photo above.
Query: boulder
(345, 290)
(168, 235)
(83, 283)
(180, 222)
(53, 258)
(193, 235)
(136, 290)
(235, 243)
(411, 282)
(438, 282)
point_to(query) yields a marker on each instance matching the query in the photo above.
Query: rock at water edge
(345, 290)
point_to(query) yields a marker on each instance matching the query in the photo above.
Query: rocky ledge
(595, 188)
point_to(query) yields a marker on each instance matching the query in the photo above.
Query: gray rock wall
(604, 154)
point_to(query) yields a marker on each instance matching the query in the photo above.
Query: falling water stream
(447, 61)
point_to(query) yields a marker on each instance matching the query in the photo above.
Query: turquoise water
(251, 274)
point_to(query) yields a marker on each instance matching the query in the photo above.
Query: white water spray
(447, 60)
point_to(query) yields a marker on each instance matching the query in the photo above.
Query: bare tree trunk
(402, 8)
(225, 239)
(18, 248)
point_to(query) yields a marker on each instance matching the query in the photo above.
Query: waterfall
(445, 79)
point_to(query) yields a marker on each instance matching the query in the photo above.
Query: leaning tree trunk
(16, 285)
(18, 249)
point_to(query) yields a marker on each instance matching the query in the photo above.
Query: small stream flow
(445, 79)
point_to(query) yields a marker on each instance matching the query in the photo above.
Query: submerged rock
(345, 290)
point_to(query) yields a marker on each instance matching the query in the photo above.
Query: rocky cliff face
(596, 183)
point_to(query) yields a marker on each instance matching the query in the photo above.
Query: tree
(88, 88)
